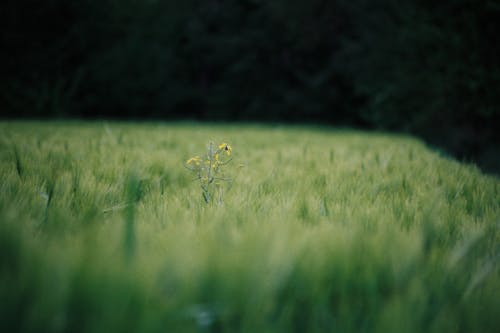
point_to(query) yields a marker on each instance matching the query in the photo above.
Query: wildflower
(210, 171)
(225, 147)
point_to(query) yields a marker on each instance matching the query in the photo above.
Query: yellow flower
(225, 147)
(196, 160)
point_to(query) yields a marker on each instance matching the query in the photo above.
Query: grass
(103, 230)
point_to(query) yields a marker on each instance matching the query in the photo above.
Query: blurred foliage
(410, 65)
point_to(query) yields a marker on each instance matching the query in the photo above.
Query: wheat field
(104, 229)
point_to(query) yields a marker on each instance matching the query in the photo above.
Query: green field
(103, 229)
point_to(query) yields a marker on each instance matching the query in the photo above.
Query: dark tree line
(430, 68)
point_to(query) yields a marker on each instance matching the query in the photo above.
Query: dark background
(429, 68)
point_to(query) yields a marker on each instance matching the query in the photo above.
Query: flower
(225, 147)
(196, 160)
